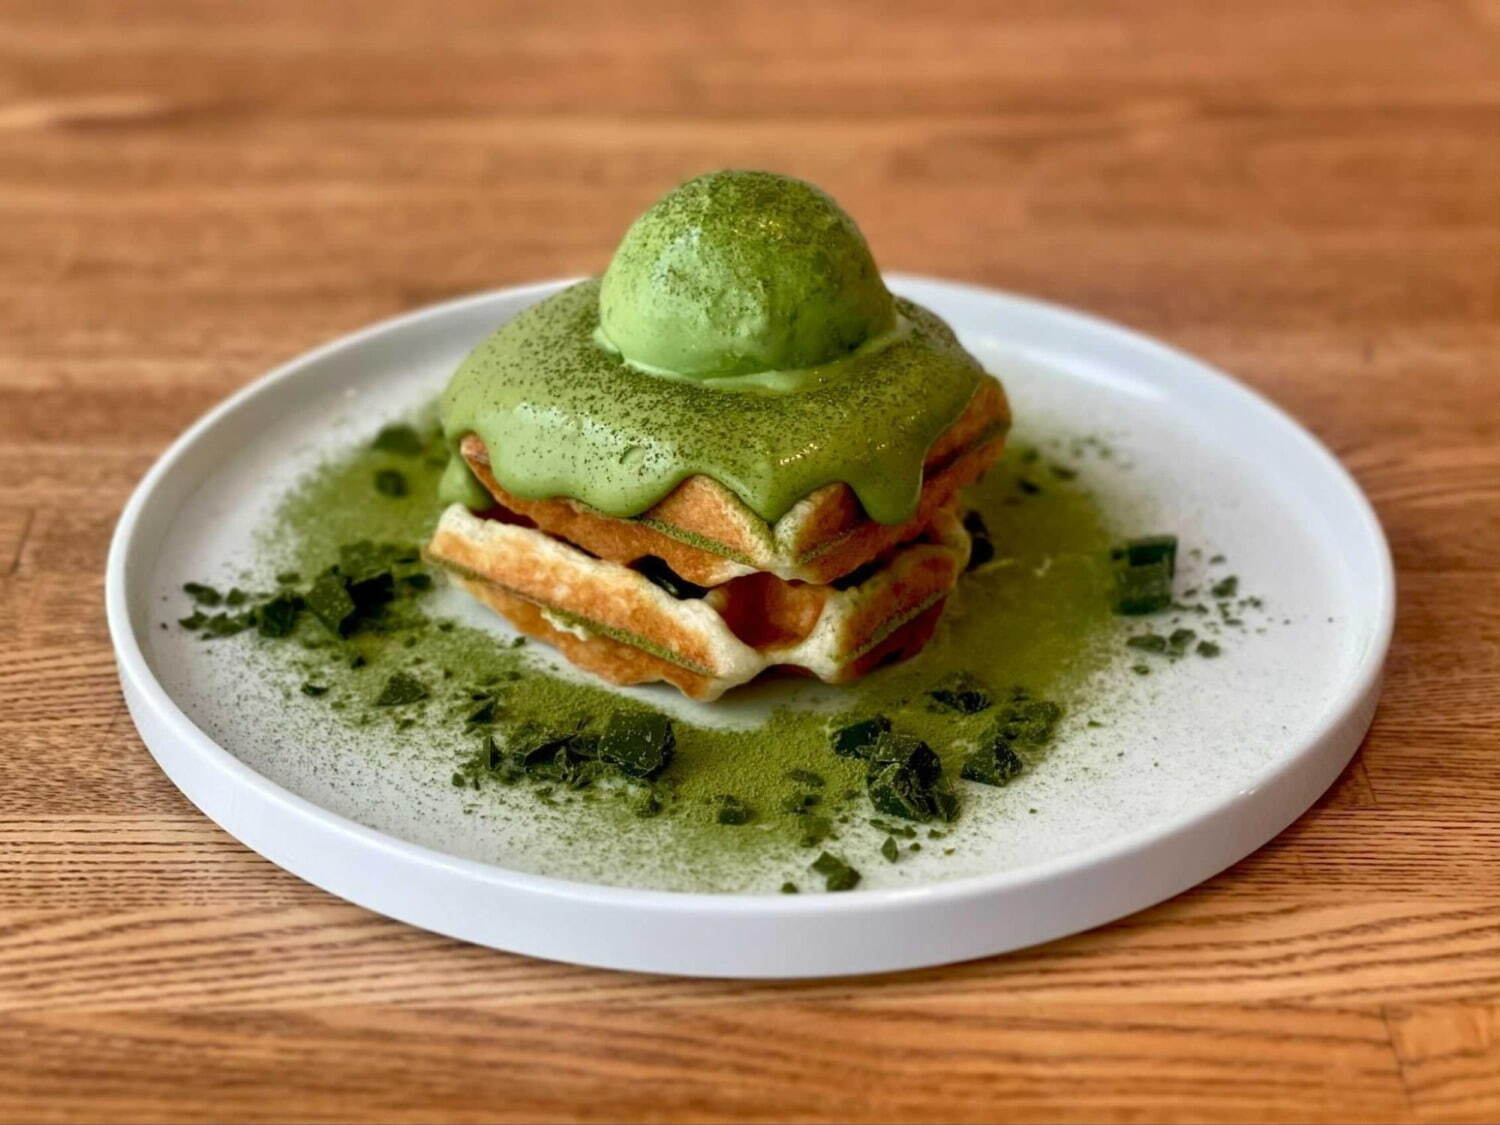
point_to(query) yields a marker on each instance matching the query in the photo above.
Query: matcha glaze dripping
(741, 332)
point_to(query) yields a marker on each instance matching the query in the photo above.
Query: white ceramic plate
(1209, 763)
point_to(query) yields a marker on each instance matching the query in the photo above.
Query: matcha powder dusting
(351, 629)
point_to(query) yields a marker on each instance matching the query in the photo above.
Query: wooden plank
(237, 935)
(858, 1060)
(1303, 194)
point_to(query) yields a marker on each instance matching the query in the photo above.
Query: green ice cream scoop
(738, 272)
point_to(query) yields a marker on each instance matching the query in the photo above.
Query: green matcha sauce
(769, 798)
(620, 439)
(741, 332)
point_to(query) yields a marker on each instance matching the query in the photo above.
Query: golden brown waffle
(615, 622)
(708, 536)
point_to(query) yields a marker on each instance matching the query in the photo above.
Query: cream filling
(824, 651)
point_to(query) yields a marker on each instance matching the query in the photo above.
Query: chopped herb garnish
(815, 829)
(203, 595)
(401, 689)
(994, 763)
(857, 739)
(944, 800)
(890, 849)
(288, 578)
(1226, 587)
(400, 439)
(1143, 589)
(837, 875)
(1181, 639)
(330, 603)
(362, 561)
(236, 597)
(1208, 648)
(227, 625)
(905, 779)
(640, 744)
(1144, 569)
(278, 617)
(570, 758)
(789, 888)
(962, 692)
(897, 791)
(1149, 550)
(909, 752)
(314, 690)
(1030, 721)
(1148, 642)
(535, 747)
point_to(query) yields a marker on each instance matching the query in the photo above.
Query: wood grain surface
(1306, 193)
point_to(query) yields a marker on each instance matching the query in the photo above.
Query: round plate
(1222, 755)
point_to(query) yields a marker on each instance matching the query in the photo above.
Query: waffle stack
(700, 592)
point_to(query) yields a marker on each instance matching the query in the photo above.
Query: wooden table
(1307, 193)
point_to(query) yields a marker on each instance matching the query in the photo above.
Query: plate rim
(1355, 703)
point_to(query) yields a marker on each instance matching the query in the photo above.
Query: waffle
(615, 622)
(708, 536)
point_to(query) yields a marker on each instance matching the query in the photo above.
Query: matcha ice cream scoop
(738, 272)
